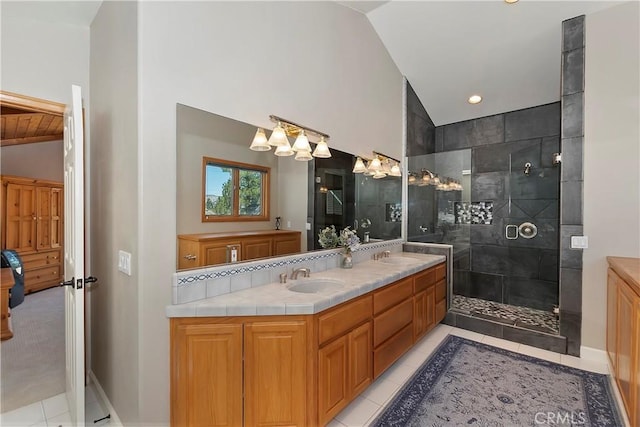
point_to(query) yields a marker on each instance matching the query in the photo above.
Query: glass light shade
(368, 170)
(302, 143)
(359, 167)
(411, 179)
(259, 142)
(435, 180)
(303, 155)
(374, 165)
(278, 137)
(395, 170)
(379, 174)
(386, 167)
(322, 149)
(284, 150)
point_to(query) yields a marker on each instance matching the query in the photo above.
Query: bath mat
(473, 384)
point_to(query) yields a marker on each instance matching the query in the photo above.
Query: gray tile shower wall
(421, 137)
(571, 216)
(521, 272)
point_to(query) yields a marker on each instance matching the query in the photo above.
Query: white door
(74, 256)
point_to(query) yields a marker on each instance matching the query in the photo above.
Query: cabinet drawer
(392, 294)
(423, 280)
(441, 290)
(343, 318)
(441, 271)
(391, 321)
(34, 277)
(391, 350)
(40, 259)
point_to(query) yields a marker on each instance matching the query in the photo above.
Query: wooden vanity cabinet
(32, 225)
(200, 250)
(240, 371)
(344, 355)
(623, 331)
(296, 370)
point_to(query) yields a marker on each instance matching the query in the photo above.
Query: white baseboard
(114, 420)
(594, 354)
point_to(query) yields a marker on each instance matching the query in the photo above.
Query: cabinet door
(288, 244)
(21, 217)
(216, 252)
(360, 359)
(612, 300)
(206, 374)
(275, 373)
(43, 218)
(636, 370)
(423, 313)
(256, 248)
(626, 336)
(333, 390)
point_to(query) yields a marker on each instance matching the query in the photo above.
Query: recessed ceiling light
(474, 99)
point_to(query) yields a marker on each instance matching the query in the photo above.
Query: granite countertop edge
(277, 299)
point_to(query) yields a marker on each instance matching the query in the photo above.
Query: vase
(347, 260)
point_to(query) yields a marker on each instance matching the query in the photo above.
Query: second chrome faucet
(306, 272)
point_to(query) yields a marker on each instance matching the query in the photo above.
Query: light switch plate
(579, 242)
(124, 262)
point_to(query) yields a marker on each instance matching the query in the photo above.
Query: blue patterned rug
(466, 383)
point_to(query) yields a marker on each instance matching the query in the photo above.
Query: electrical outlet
(124, 262)
(579, 242)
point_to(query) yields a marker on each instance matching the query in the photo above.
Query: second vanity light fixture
(378, 167)
(279, 139)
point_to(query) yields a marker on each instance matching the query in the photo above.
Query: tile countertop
(277, 299)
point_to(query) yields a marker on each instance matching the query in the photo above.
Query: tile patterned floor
(365, 408)
(539, 320)
(54, 411)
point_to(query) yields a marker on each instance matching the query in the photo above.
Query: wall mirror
(307, 196)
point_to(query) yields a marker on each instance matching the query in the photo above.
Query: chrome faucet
(305, 271)
(383, 254)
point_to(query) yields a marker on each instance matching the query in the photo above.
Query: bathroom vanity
(307, 348)
(623, 331)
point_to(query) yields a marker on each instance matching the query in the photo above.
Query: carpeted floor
(469, 383)
(32, 362)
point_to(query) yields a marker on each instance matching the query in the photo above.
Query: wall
(114, 194)
(43, 60)
(316, 63)
(42, 160)
(611, 155)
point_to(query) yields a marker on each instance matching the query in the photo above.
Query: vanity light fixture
(280, 139)
(359, 167)
(260, 142)
(474, 99)
(378, 167)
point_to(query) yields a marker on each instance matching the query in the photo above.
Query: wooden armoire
(32, 225)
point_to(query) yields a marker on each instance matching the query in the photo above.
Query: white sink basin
(399, 260)
(314, 286)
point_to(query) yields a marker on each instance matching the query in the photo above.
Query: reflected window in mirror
(233, 191)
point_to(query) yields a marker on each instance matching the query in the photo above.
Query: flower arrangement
(349, 240)
(328, 238)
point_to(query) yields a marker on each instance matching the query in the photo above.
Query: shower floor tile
(538, 320)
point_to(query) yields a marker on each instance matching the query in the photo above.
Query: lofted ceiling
(510, 54)
(448, 50)
(25, 120)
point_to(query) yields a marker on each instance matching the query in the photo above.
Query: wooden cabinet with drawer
(344, 355)
(200, 250)
(32, 225)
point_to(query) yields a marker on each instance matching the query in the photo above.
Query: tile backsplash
(206, 282)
